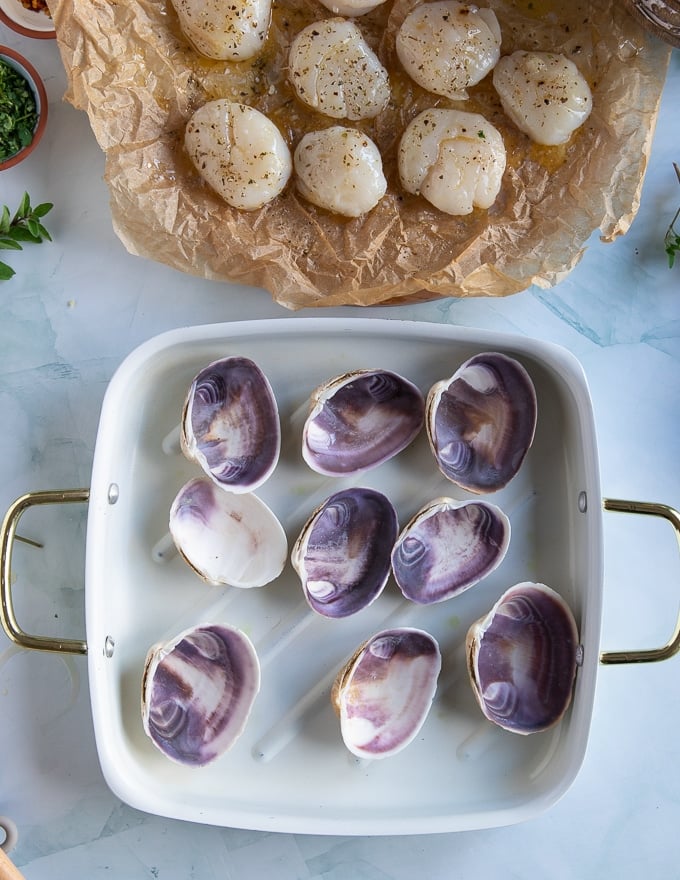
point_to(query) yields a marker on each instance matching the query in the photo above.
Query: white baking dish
(290, 770)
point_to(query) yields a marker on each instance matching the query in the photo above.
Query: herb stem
(671, 240)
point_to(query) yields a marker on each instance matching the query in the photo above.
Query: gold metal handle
(672, 646)
(7, 537)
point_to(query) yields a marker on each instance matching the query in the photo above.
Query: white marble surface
(79, 305)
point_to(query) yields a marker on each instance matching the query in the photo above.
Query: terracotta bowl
(30, 74)
(27, 22)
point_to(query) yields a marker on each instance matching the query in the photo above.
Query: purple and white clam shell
(342, 554)
(230, 424)
(447, 547)
(481, 421)
(359, 420)
(197, 692)
(384, 694)
(522, 659)
(227, 539)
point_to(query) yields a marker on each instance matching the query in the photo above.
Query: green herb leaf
(20, 233)
(24, 226)
(671, 240)
(41, 210)
(24, 207)
(18, 111)
(8, 244)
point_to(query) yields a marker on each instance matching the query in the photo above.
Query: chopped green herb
(24, 226)
(18, 112)
(672, 238)
(480, 134)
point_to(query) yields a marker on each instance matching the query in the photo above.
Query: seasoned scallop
(544, 94)
(226, 31)
(352, 8)
(454, 159)
(335, 71)
(340, 169)
(446, 46)
(239, 152)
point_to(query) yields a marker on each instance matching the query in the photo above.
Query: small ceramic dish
(659, 17)
(30, 74)
(35, 23)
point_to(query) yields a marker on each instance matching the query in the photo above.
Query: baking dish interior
(290, 770)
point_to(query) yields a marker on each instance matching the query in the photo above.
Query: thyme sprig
(25, 225)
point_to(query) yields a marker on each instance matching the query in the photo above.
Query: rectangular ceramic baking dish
(290, 771)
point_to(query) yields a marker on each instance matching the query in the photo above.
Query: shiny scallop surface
(234, 30)
(452, 158)
(446, 46)
(334, 70)
(352, 8)
(239, 152)
(544, 94)
(340, 169)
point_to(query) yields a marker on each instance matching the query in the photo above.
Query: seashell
(198, 690)
(522, 659)
(342, 554)
(230, 424)
(359, 420)
(481, 421)
(384, 693)
(447, 547)
(227, 539)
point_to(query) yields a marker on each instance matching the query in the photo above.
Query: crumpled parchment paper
(131, 70)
